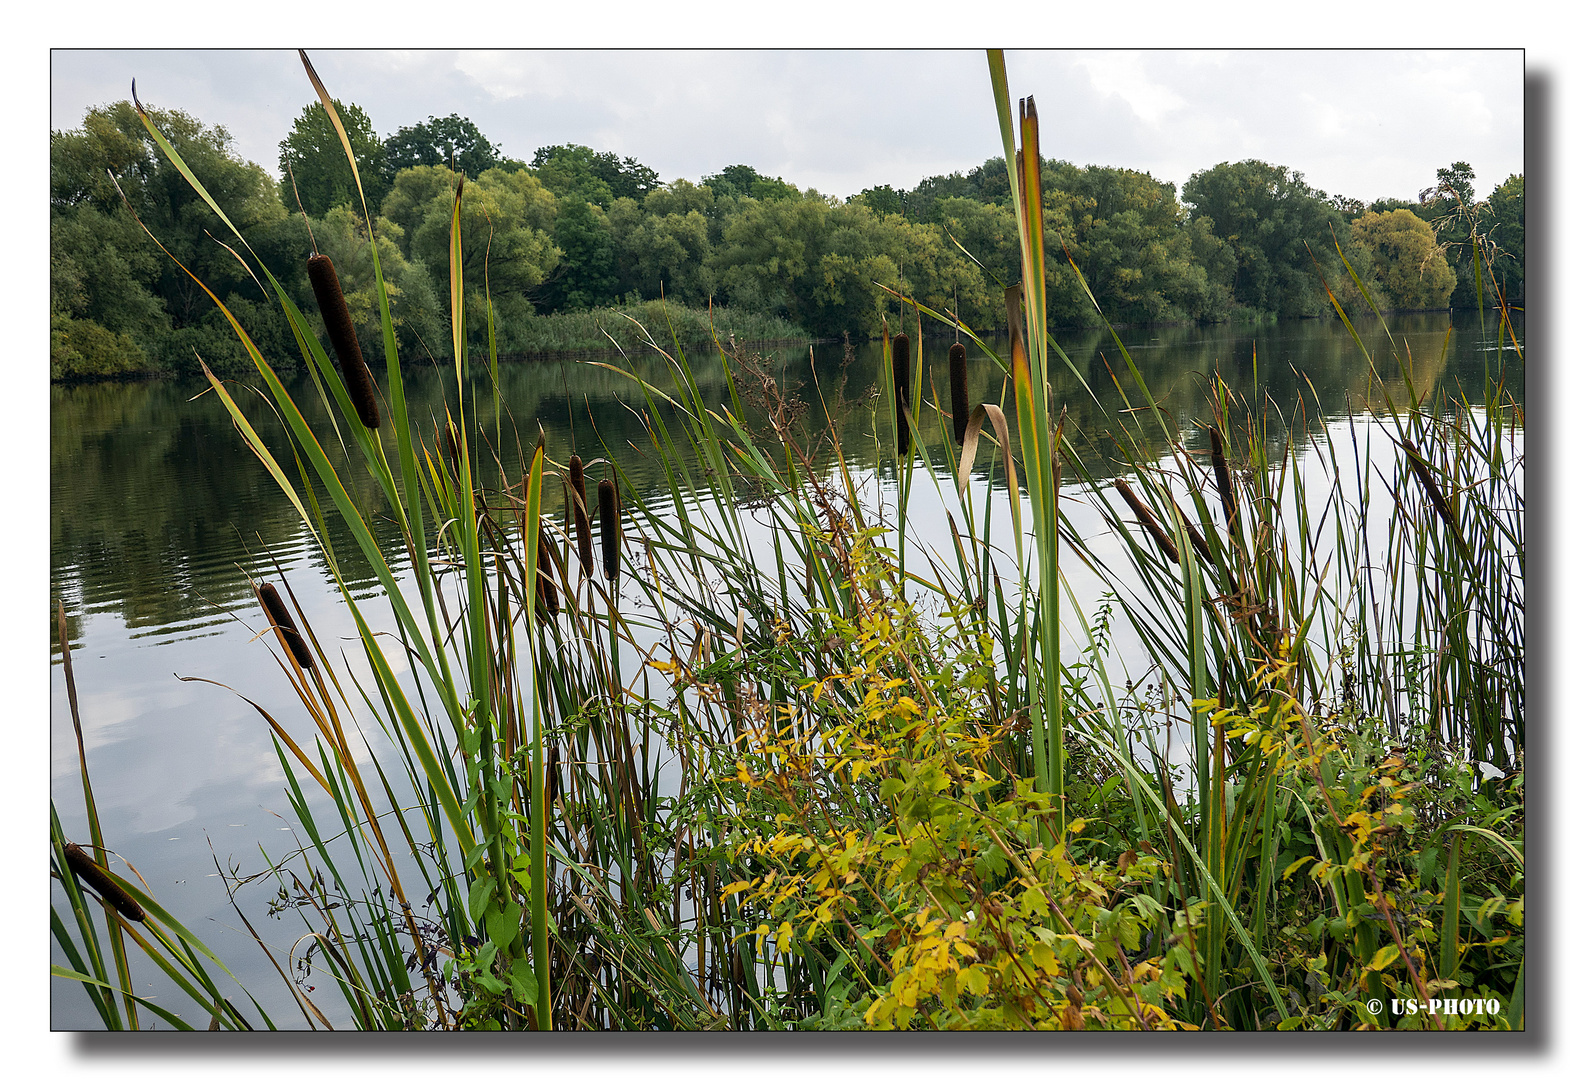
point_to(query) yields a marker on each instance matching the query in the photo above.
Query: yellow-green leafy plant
(901, 842)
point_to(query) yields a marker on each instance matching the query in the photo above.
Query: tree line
(575, 229)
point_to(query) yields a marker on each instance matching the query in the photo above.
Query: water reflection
(159, 512)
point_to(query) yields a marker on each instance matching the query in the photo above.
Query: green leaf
(523, 980)
(481, 891)
(1291, 869)
(503, 926)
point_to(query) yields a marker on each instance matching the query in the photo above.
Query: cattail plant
(1440, 504)
(958, 358)
(1200, 546)
(341, 331)
(90, 873)
(451, 446)
(607, 510)
(546, 588)
(1147, 520)
(902, 379)
(580, 514)
(1222, 477)
(284, 625)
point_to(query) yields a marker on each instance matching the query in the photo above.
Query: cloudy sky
(1366, 124)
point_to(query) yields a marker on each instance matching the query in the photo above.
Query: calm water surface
(159, 516)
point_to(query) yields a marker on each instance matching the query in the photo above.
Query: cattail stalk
(1200, 546)
(607, 512)
(91, 873)
(341, 332)
(451, 447)
(1222, 477)
(1440, 504)
(581, 515)
(552, 783)
(546, 588)
(284, 625)
(1147, 520)
(902, 378)
(960, 410)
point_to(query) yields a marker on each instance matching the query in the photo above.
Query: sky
(1360, 123)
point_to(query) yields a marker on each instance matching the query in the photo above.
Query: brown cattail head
(1435, 496)
(960, 409)
(91, 873)
(451, 446)
(902, 379)
(1147, 520)
(341, 332)
(1222, 477)
(284, 625)
(546, 588)
(607, 514)
(552, 773)
(580, 512)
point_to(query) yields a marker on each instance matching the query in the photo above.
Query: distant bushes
(608, 328)
(82, 349)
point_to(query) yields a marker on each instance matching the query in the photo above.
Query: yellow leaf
(974, 980)
(1384, 957)
(1291, 869)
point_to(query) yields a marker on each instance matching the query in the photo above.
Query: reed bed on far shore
(622, 328)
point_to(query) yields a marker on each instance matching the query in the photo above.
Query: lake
(160, 516)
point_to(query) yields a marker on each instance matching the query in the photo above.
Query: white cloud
(1124, 74)
(1361, 123)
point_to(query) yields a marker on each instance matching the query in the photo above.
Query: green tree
(768, 250)
(587, 272)
(1494, 229)
(744, 182)
(664, 247)
(1407, 260)
(104, 269)
(883, 199)
(571, 169)
(452, 139)
(1506, 228)
(1275, 225)
(411, 196)
(82, 349)
(1456, 183)
(986, 183)
(313, 154)
(865, 249)
(988, 233)
(506, 223)
(679, 197)
(1218, 263)
(1128, 236)
(928, 192)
